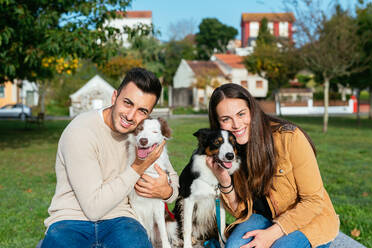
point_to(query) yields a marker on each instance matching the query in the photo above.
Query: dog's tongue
(227, 164)
(144, 152)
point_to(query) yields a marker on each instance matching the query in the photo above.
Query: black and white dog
(150, 211)
(195, 209)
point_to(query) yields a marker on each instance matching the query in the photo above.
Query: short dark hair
(143, 79)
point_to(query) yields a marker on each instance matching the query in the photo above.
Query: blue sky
(227, 11)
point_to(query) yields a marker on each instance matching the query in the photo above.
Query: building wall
(10, 94)
(184, 76)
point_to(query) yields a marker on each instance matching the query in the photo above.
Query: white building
(227, 68)
(95, 94)
(131, 19)
(187, 74)
(232, 66)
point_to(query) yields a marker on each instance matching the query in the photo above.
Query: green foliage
(278, 66)
(34, 30)
(213, 36)
(264, 36)
(145, 47)
(175, 51)
(118, 66)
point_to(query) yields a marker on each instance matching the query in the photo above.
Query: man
(90, 207)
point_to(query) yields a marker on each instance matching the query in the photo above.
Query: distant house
(184, 91)
(227, 68)
(232, 66)
(95, 94)
(279, 24)
(21, 92)
(131, 19)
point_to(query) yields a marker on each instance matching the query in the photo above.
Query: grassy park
(27, 178)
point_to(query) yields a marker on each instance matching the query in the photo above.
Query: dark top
(260, 206)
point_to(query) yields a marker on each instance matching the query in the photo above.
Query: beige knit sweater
(93, 179)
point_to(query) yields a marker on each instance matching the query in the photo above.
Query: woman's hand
(263, 238)
(221, 174)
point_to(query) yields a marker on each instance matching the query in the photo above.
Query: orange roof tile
(136, 14)
(271, 17)
(233, 60)
(199, 67)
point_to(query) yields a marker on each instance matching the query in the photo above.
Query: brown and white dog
(150, 211)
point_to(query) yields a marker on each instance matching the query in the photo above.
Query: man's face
(130, 108)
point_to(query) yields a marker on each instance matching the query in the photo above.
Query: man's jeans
(295, 239)
(122, 232)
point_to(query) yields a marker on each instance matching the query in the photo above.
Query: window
(2, 92)
(259, 84)
(253, 29)
(244, 83)
(270, 25)
(283, 29)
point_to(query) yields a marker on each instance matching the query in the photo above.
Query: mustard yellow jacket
(299, 200)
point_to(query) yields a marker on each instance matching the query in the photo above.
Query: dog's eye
(155, 131)
(216, 142)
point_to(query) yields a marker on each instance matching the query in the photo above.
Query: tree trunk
(42, 92)
(326, 100)
(370, 103)
(170, 96)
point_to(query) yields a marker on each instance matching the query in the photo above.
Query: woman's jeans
(295, 239)
(122, 232)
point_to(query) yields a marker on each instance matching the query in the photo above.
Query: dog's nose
(143, 141)
(229, 156)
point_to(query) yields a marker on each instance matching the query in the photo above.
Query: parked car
(18, 110)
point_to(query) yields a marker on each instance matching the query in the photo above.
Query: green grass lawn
(27, 178)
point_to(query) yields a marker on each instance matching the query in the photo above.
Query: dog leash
(218, 216)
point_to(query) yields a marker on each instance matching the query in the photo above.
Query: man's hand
(140, 165)
(151, 187)
(263, 238)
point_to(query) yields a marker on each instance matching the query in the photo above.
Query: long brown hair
(256, 174)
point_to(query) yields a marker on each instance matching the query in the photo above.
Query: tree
(174, 52)
(118, 66)
(213, 36)
(182, 28)
(329, 45)
(206, 78)
(34, 31)
(264, 36)
(363, 79)
(277, 65)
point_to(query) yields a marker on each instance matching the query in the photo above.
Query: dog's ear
(165, 129)
(202, 134)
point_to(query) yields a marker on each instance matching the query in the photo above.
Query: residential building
(185, 92)
(279, 24)
(232, 66)
(95, 94)
(21, 92)
(131, 19)
(226, 68)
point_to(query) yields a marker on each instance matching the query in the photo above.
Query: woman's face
(233, 115)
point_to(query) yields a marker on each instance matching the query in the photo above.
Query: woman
(277, 196)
